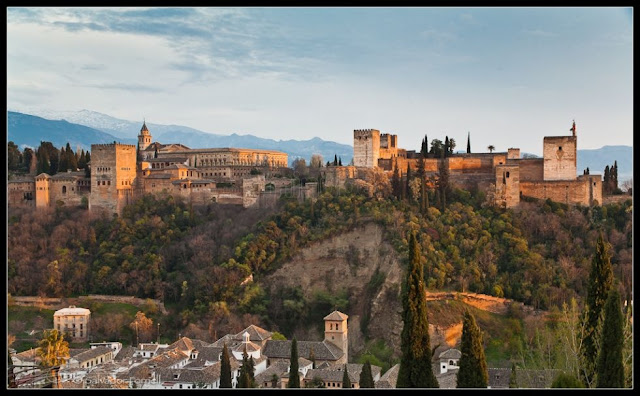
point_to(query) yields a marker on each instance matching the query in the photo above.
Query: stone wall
(21, 193)
(531, 169)
(571, 192)
(559, 154)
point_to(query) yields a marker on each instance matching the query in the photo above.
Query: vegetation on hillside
(198, 259)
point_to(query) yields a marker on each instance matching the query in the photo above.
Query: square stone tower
(113, 175)
(560, 157)
(335, 331)
(366, 147)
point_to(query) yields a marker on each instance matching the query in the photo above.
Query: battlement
(111, 145)
(366, 130)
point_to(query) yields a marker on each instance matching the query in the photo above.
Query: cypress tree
(610, 367)
(155, 154)
(225, 369)
(294, 377)
(446, 146)
(87, 156)
(513, 378)
(395, 181)
(63, 165)
(468, 142)
(312, 358)
(335, 160)
(607, 180)
(473, 365)
(425, 153)
(407, 184)
(600, 283)
(243, 375)
(415, 362)
(72, 160)
(366, 378)
(346, 382)
(340, 161)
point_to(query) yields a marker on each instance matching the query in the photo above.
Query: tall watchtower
(144, 138)
(560, 156)
(366, 147)
(336, 332)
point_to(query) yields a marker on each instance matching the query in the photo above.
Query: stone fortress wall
(506, 175)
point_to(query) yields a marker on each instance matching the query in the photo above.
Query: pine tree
(610, 367)
(415, 362)
(366, 378)
(513, 378)
(294, 377)
(346, 382)
(473, 365)
(469, 143)
(600, 283)
(225, 369)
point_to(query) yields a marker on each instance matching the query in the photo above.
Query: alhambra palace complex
(120, 173)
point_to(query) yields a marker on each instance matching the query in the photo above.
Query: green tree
(366, 378)
(294, 377)
(246, 376)
(513, 378)
(473, 364)
(415, 363)
(63, 165)
(346, 382)
(407, 187)
(396, 182)
(316, 382)
(53, 349)
(491, 147)
(469, 143)
(312, 358)
(565, 380)
(14, 157)
(335, 160)
(225, 369)
(600, 283)
(610, 368)
(72, 161)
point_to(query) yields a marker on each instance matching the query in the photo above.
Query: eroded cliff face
(348, 262)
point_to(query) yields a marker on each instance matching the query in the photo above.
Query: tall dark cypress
(346, 382)
(366, 378)
(335, 160)
(408, 182)
(513, 378)
(225, 369)
(446, 146)
(415, 363)
(395, 181)
(610, 366)
(473, 364)
(425, 153)
(469, 143)
(600, 283)
(294, 377)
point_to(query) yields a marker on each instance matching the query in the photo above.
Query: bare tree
(316, 161)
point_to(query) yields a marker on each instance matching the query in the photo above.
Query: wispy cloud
(539, 33)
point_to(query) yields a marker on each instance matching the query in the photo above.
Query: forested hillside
(198, 259)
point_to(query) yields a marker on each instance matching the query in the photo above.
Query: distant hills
(85, 127)
(25, 129)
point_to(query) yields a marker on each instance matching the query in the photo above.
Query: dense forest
(195, 259)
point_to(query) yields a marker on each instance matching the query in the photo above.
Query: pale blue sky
(510, 76)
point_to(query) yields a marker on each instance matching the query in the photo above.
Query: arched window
(64, 189)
